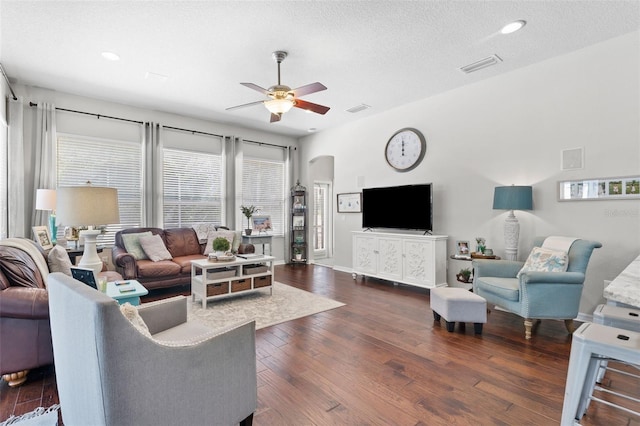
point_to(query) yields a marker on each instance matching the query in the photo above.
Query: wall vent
(482, 63)
(359, 108)
(572, 159)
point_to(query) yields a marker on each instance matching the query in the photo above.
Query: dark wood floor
(382, 359)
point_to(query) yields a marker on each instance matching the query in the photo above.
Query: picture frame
(261, 223)
(297, 222)
(613, 188)
(350, 202)
(42, 237)
(463, 249)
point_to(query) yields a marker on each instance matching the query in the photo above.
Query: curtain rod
(265, 143)
(33, 104)
(191, 131)
(8, 84)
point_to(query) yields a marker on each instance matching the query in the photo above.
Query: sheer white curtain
(44, 147)
(18, 224)
(153, 205)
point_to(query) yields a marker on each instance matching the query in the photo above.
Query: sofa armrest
(164, 314)
(496, 268)
(537, 277)
(24, 303)
(125, 263)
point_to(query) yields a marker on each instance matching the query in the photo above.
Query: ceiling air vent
(359, 108)
(482, 63)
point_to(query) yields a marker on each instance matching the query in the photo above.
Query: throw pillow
(131, 313)
(154, 247)
(59, 261)
(545, 260)
(228, 235)
(132, 244)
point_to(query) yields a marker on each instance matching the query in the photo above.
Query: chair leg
(528, 325)
(248, 421)
(568, 323)
(16, 379)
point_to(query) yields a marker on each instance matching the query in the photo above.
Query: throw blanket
(29, 248)
(203, 230)
(558, 243)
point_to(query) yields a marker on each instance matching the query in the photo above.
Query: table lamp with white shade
(90, 206)
(46, 200)
(512, 198)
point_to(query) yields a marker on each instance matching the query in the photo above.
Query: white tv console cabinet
(419, 260)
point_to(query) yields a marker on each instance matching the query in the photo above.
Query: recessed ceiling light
(111, 56)
(311, 129)
(513, 27)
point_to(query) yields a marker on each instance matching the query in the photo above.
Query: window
(263, 187)
(192, 188)
(320, 215)
(110, 163)
(4, 193)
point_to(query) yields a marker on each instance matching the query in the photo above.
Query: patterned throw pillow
(59, 261)
(545, 260)
(131, 313)
(154, 247)
(132, 244)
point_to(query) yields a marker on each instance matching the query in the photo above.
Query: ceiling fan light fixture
(512, 27)
(279, 106)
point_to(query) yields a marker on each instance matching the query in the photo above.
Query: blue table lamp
(512, 198)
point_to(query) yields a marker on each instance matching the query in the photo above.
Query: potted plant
(297, 253)
(221, 246)
(464, 275)
(248, 211)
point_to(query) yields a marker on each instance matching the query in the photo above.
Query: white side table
(258, 239)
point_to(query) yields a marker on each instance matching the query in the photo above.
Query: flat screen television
(398, 207)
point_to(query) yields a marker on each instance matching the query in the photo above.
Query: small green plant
(248, 211)
(221, 244)
(296, 250)
(464, 275)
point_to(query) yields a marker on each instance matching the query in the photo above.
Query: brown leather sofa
(182, 243)
(24, 315)
(25, 335)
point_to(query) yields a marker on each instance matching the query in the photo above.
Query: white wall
(110, 129)
(510, 130)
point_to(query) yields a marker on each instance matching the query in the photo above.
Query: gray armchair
(110, 373)
(535, 295)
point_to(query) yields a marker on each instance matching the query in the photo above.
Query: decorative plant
(480, 244)
(464, 275)
(296, 250)
(221, 244)
(248, 211)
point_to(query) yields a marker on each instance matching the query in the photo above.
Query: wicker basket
(240, 285)
(218, 288)
(262, 281)
(254, 269)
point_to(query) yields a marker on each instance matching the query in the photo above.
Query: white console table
(625, 288)
(419, 260)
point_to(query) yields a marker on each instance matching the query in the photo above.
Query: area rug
(39, 417)
(286, 303)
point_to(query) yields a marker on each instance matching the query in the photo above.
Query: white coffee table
(211, 280)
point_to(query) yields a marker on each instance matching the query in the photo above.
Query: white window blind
(110, 163)
(4, 176)
(263, 187)
(192, 188)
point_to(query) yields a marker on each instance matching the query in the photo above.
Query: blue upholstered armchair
(535, 295)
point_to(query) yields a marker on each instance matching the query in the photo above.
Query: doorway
(322, 224)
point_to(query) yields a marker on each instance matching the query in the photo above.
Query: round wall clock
(405, 149)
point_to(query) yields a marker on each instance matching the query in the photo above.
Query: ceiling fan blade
(310, 106)
(275, 117)
(244, 105)
(256, 87)
(308, 89)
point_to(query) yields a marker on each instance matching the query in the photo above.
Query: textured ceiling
(380, 53)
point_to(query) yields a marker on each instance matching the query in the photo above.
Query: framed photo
(261, 223)
(298, 222)
(42, 236)
(350, 202)
(616, 188)
(462, 249)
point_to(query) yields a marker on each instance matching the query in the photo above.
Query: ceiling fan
(281, 98)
